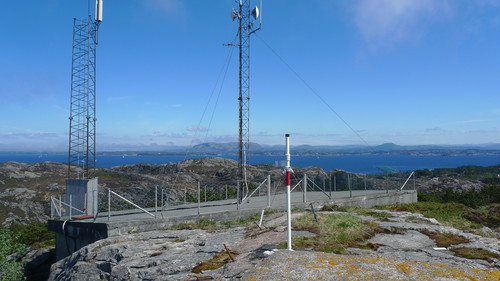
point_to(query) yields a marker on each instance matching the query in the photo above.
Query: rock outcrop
(405, 254)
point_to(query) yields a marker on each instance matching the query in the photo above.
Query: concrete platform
(71, 235)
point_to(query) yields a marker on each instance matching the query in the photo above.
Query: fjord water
(368, 164)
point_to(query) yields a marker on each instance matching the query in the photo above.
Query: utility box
(81, 195)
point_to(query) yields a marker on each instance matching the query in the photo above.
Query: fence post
(205, 190)
(199, 187)
(268, 190)
(70, 204)
(162, 201)
(85, 204)
(349, 184)
(330, 186)
(365, 182)
(414, 179)
(334, 183)
(109, 203)
(60, 205)
(51, 207)
(156, 200)
(304, 187)
(238, 195)
(185, 195)
(226, 191)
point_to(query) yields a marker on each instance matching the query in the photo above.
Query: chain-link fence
(153, 199)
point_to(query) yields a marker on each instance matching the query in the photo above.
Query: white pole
(156, 201)
(304, 187)
(199, 197)
(109, 203)
(288, 170)
(268, 191)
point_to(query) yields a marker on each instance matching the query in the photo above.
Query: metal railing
(158, 201)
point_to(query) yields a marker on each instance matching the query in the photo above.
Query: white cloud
(33, 135)
(171, 8)
(435, 129)
(197, 129)
(386, 21)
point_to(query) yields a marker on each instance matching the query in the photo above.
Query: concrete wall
(74, 235)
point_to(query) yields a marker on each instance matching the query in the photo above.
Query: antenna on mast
(81, 156)
(245, 16)
(98, 10)
(81, 185)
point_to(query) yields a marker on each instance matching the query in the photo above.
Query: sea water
(368, 164)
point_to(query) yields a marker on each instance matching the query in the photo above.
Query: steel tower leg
(81, 156)
(244, 31)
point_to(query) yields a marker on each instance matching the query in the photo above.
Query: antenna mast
(82, 119)
(245, 29)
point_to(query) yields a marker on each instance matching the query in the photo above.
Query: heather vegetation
(15, 242)
(478, 206)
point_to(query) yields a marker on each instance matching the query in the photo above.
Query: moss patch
(475, 253)
(445, 239)
(218, 260)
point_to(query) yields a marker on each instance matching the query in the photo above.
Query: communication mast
(82, 119)
(245, 29)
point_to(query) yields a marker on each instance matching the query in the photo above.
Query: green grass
(450, 214)
(209, 224)
(205, 224)
(357, 210)
(335, 233)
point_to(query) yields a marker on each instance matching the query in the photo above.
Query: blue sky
(401, 71)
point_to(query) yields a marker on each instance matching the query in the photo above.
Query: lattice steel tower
(82, 119)
(245, 29)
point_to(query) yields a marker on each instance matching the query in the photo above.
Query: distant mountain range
(211, 149)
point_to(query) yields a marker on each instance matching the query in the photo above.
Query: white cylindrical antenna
(98, 10)
(288, 170)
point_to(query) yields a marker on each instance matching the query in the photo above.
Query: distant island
(231, 148)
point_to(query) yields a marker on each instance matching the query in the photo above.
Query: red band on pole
(287, 178)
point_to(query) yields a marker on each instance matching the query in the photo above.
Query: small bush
(10, 270)
(35, 234)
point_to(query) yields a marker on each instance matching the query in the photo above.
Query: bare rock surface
(406, 254)
(155, 255)
(306, 265)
